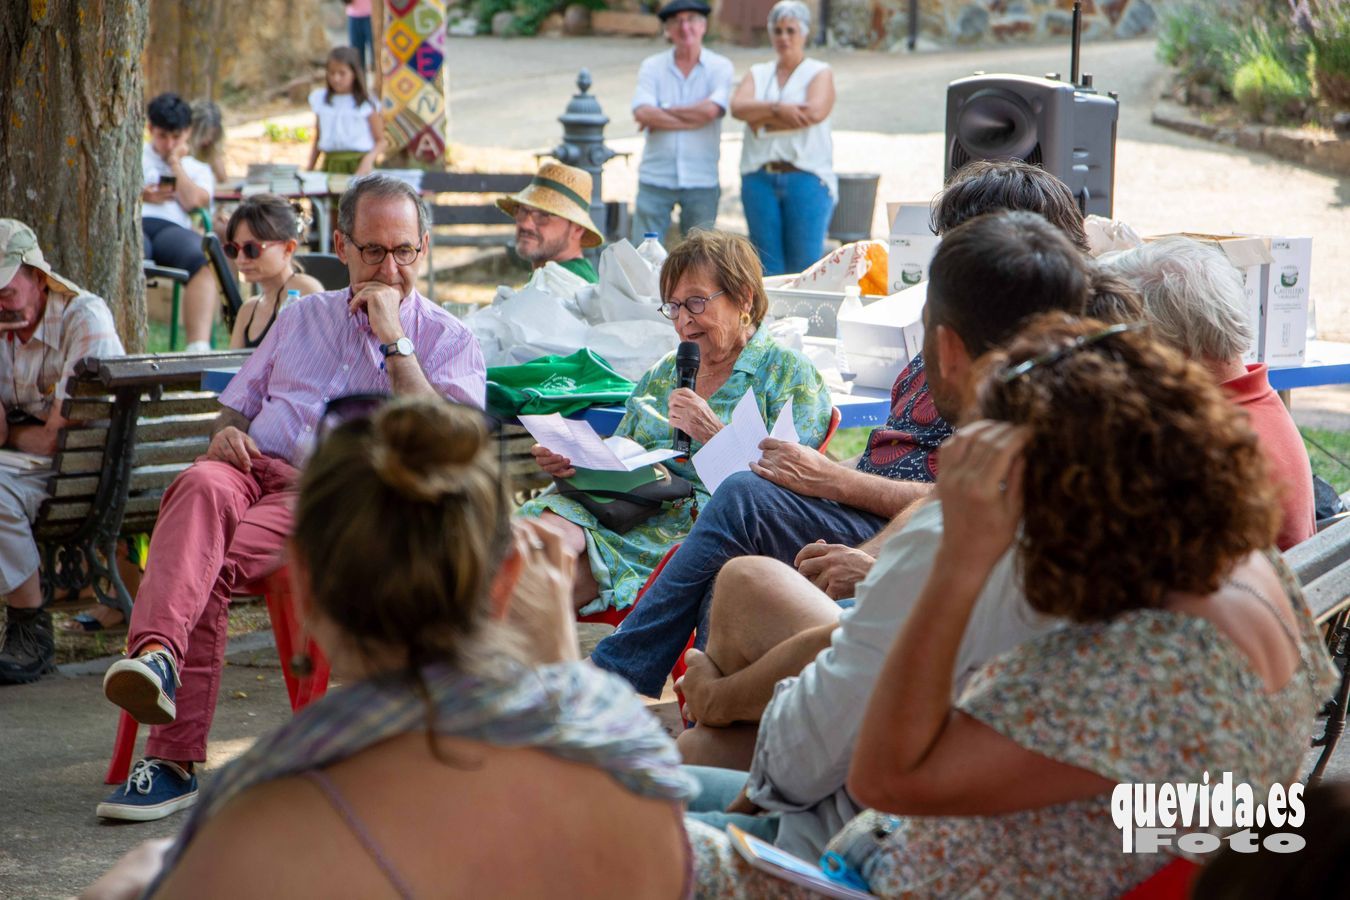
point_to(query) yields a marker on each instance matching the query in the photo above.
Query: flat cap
(675, 7)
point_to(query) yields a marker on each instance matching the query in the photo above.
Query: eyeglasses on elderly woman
(694, 305)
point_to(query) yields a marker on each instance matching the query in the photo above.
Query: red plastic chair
(302, 690)
(1171, 882)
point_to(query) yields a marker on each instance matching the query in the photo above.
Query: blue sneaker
(144, 686)
(156, 788)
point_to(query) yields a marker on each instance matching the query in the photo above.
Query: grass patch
(157, 337)
(1326, 449)
(848, 442)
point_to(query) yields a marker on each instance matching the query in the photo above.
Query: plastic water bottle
(291, 296)
(651, 250)
(851, 303)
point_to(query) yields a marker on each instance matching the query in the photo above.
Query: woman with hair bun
(469, 753)
(1134, 500)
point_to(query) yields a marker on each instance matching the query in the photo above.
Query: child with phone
(348, 127)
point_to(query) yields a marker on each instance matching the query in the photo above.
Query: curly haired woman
(1135, 501)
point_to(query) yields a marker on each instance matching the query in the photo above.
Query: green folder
(621, 482)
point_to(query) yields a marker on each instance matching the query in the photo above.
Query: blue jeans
(698, 209)
(359, 36)
(789, 215)
(748, 516)
(717, 788)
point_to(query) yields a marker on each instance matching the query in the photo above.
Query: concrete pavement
(889, 118)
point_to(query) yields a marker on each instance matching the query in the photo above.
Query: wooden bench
(137, 421)
(1322, 564)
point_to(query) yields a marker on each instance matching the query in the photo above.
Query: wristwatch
(401, 347)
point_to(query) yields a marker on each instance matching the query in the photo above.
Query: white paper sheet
(733, 448)
(23, 462)
(577, 440)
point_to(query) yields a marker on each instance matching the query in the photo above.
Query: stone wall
(884, 24)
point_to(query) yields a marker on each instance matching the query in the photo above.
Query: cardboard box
(911, 245)
(1284, 331)
(879, 340)
(1251, 257)
(819, 308)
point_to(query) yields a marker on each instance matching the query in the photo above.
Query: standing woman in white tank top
(788, 185)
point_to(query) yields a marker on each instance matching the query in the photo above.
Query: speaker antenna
(1077, 41)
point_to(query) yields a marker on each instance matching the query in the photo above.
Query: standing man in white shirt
(682, 95)
(175, 185)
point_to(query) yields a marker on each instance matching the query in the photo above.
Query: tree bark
(71, 124)
(182, 49)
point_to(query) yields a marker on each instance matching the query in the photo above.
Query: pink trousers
(218, 529)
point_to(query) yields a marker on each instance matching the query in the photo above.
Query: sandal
(87, 623)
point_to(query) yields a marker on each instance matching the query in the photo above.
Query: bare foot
(699, 686)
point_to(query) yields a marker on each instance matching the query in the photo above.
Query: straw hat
(562, 190)
(19, 247)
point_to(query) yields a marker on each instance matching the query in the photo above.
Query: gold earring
(745, 319)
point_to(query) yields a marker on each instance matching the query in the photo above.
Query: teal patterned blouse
(622, 563)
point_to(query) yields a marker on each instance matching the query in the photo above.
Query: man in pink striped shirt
(224, 521)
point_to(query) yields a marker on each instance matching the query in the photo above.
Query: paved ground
(890, 117)
(55, 737)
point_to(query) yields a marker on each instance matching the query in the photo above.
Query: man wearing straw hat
(553, 219)
(47, 324)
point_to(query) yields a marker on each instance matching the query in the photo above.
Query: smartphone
(168, 181)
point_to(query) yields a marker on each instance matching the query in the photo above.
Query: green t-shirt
(581, 266)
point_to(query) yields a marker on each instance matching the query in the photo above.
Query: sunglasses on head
(359, 407)
(251, 249)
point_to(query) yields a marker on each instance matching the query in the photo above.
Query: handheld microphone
(686, 374)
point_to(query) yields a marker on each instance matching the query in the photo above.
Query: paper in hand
(577, 440)
(736, 446)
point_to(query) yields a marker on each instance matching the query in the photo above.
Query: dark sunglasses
(360, 407)
(252, 249)
(1082, 342)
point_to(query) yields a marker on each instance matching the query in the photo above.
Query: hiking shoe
(144, 686)
(155, 789)
(29, 648)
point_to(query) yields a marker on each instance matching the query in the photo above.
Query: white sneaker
(198, 347)
(145, 687)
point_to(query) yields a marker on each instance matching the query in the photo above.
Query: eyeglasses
(251, 249)
(694, 305)
(540, 217)
(1082, 342)
(374, 254)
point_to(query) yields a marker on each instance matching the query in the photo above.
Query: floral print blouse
(1151, 696)
(621, 563)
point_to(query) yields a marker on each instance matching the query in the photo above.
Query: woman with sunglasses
(1134, 501)
(469, 753)
(714, 293)
(260, 240)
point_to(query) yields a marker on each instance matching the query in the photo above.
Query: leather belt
(778, 168)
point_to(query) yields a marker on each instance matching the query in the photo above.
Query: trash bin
(852, 219)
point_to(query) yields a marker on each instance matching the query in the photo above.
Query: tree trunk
(71, 122)
(182, 49)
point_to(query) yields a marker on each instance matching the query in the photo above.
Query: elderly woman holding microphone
(713, 290)
(788, 185)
